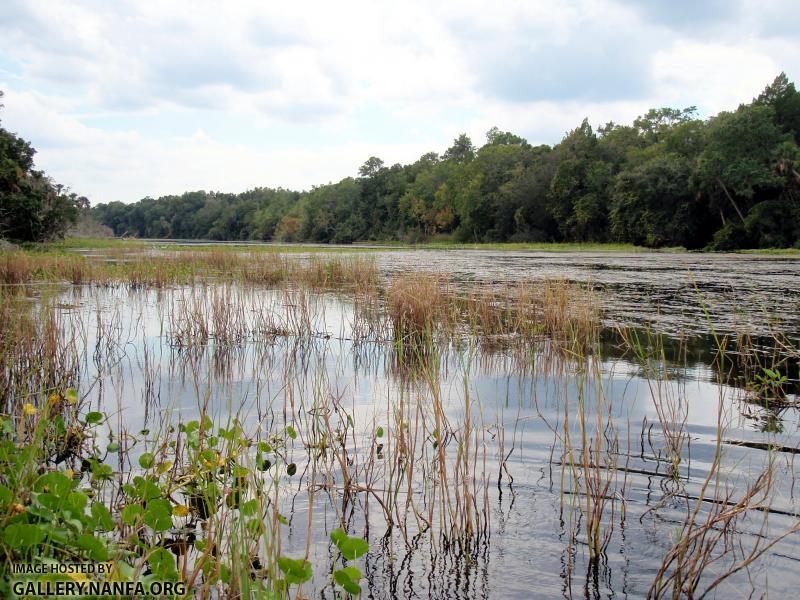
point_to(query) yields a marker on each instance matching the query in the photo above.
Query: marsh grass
(592, 476)
(426, 305)
(668, 397)
(708, 549)
(416, 305)
(37, 354)
(19, 267)
(141, 268)
(208, 499)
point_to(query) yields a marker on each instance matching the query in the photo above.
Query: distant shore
(184, 244)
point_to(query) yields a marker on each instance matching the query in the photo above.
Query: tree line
(668, 179)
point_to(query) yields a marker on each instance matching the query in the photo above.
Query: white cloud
(546, 122)
(108, 165)
(716, 75)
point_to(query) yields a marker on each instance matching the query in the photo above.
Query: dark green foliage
(652, 204)
(658, 122)
(669, 179)
(773, 224)
(32, 207)
(461, 151)
(784, 99)
(737, 166)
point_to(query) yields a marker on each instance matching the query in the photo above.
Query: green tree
(737, 163)
(784, 99)
(578, 189)
(658, 121)
(32, 207)
(669, 178)
(371, 167)
(461, 151)
(495, 137)
(652, 205)
(526, 216)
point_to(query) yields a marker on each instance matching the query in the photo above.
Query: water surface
(535, 544)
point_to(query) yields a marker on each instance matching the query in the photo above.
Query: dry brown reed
(708, 549)
(668, 396)
(592, 480)
(20, 268)
(423, 305)
(15, 268)
(38, 355)
(435, 478)
(416, 303)
(145, 269)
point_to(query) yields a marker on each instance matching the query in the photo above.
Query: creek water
(535, 543)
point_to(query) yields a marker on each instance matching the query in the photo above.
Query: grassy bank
(301, 248)
(537, 247)
(198, 246)
(773, 251)
(140, 267)
(255, 246)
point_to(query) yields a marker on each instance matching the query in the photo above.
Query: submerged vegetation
(670, 179)
(254, 424)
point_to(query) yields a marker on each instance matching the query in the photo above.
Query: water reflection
(270, 356)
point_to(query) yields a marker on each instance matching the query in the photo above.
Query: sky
(136, 98)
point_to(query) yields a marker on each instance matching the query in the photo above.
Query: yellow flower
(217, 461)
(54, 398)
(70, 473)
(28, 409)
(179, 510)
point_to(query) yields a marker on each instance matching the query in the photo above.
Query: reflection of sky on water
(155, 384)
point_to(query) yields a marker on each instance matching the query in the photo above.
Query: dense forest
(32, 206)
(668, 179)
